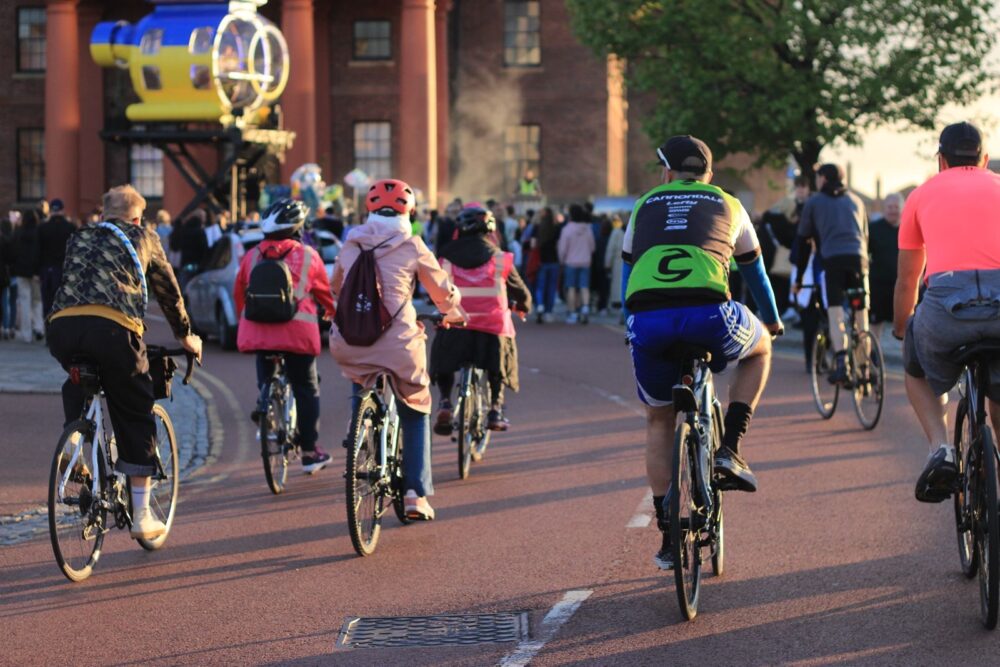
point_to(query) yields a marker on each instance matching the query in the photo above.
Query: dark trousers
(301, 372)
(51, 278)
(121, 356)
(446, 382)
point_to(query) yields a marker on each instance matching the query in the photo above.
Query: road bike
(84, 488)
(277, 425)
(865, 367)
(975, 499)
(695, 503)
(472, 418)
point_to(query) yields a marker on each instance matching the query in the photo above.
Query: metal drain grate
(410, 631)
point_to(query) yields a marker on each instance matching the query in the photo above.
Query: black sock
(737, 422)
(661, 515)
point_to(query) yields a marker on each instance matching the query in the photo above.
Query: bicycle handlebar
(178, 352)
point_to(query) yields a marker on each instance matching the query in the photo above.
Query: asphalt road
(832, 561)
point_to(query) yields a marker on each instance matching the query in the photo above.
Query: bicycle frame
(699, 408)
(386, 399)
(95, 416)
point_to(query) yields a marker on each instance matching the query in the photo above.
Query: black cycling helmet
(284, 217)
(475, 220)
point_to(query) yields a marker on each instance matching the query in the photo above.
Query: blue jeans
(416, 444)
(8, 305)
(545, 290)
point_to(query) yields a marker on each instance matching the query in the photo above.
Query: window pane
(373, 149)
(151, 42)
(522, 151)
(522, 32)
(146, 170)
(30, 164)
(31, 39)
(372, 40)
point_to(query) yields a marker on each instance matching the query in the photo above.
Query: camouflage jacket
(100, 272)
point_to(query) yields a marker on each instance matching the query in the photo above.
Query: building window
(521, 151)
(31, 39)
(146, 170)
(372, 40)
(201, 41)
(151, 42)
(522, 40)
(30, 164)
(373, 149)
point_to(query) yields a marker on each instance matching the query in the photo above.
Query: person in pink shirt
(951, 228)
(576, 251)
(297, 338)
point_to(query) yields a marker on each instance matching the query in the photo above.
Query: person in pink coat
(576, 251)
(401, 350)
(298, 339)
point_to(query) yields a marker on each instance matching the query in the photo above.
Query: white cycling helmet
(284, 215)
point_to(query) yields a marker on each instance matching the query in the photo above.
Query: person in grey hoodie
(576, 251)
(836, 220)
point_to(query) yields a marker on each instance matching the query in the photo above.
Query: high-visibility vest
(484, 294)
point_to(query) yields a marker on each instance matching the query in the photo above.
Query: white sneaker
(417, 508)
(571, 318)
(145, 526)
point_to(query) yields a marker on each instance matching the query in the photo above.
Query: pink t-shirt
(955, 216)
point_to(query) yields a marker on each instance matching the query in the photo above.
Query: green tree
(780, 77)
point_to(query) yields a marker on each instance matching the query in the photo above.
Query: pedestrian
(446, 227)
(883, 248)
(26, 268)
(600, 279)
(546, 241)
(163, 227)
(53, 235)
(8, 289)
(529, 186)
(576, 252)
(613, 260)
(780, 223)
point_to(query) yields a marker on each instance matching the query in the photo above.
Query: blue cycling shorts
(728, 330)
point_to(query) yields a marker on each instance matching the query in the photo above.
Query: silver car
(209, 294)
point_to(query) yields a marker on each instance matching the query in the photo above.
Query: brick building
(457, 97)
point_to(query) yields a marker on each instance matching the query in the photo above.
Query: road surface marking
(553, 620)
(643, 516)
(242, 431)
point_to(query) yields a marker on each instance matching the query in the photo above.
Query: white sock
(140, 497)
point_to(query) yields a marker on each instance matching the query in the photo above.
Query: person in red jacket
(488, 282)
(297, 339)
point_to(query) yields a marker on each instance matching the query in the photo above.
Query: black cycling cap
(961, 140)
(685, 153)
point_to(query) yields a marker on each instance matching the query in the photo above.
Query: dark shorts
(842, 273)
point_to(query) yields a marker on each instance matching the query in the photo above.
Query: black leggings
(446, 381)
(301, 372)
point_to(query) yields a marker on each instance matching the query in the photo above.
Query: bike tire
(962, 498)
(466, 401)
(163, 491)
(989, 537)
(868, 379)
(684, 535)
(719, 548)
(364, 488)
(482, 430)
(274, 445)
(825, 395)
(76, 526)
(397, 480)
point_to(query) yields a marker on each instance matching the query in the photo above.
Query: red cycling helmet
(390, 193)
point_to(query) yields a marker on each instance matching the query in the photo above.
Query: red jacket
(301, 335)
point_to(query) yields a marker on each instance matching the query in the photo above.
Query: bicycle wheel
(967, 552)
(466, 407)
(396, 479)
(480, 419)
(163, 494)
(719, 548)
(274, 445)
(365, 491)
(825, 395)
(77, 518)
(868, 379)
(988, 540)
(684, 528)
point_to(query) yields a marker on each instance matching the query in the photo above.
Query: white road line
(243, 436)
(553, 620)
(643, 515)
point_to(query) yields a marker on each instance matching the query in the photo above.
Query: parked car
(612, 205)
(209, 294)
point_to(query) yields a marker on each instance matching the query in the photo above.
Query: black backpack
(270, 293)
(361, 315)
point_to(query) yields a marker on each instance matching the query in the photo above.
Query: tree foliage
(780, 77)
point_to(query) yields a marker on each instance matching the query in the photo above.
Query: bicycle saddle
(988, 348)
(85, 373)
(688, 351)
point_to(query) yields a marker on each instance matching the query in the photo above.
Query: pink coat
(401, 351)
(301, 335)
(576, 244)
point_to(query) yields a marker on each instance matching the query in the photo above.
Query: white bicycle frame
(95, 415)
(390, 421)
